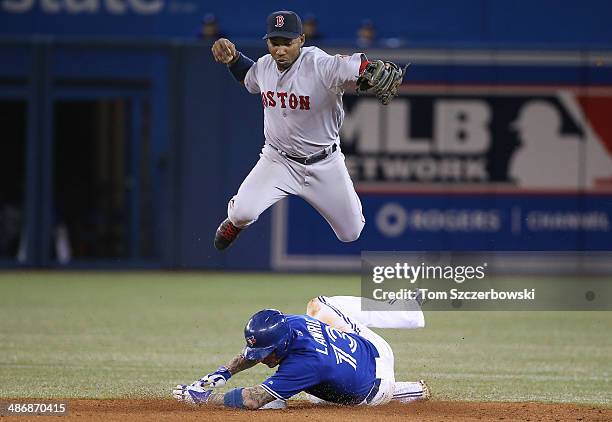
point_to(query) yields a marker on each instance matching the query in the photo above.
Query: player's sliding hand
(215, 379)
(224, 51)
(190, 394)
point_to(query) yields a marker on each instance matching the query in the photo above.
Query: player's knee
(313, 307)
(349, 237)
(241, 216)
(351, 234)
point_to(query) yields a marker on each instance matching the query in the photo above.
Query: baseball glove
(383, 77)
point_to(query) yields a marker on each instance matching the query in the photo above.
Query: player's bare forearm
(240, 363)
(255, 397)
(252, 397)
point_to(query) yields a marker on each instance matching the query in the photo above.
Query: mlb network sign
(535, 139)
(116, 7)
(473, 167)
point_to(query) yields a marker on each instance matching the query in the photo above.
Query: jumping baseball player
(330, 354)
(301, 92)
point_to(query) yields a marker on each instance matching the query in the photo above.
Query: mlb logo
(251, 341)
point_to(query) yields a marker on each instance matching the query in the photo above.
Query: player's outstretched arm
(242, 398)
(224, 51)
(239, 398)
(224, 373)
(247, 398)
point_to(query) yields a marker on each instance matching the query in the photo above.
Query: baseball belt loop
(331, 149)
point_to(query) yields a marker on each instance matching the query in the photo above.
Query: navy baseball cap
(284, 24)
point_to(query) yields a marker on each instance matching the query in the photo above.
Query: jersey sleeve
(339, 70)
(250, 80)
(291, 378)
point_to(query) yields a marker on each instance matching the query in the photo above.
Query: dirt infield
(162, 410)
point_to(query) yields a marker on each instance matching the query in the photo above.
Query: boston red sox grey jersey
(302, 117)
(303, 105)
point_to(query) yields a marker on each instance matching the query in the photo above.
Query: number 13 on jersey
(342, 355)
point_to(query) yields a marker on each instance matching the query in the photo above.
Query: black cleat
(226, 234)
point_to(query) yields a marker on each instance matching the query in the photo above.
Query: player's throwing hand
(224, 51)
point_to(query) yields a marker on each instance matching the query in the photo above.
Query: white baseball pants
(325, 185)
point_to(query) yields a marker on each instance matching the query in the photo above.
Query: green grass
(102, 335)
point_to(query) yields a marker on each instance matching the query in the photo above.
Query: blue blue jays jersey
(329, 364)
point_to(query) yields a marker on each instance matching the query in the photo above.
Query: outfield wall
(482, 150)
